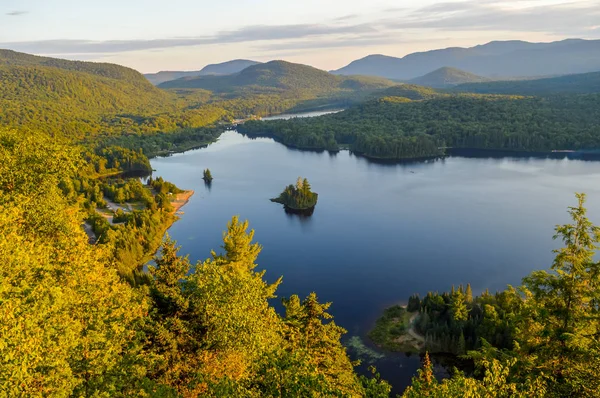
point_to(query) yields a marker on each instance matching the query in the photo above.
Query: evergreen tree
(458, 306)
(560, 318)
(469, 294)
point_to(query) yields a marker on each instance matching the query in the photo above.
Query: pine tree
(561, 316)
(424, 384)
(469, 294)
(458, 307)
(240, 252)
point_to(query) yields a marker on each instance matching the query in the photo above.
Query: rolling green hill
(584, 83)
(447, 77)
(84, 99)
(113, 71)
(280, 76)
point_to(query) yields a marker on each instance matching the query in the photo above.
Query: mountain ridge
(494, 59)
(447, 77)
(222, 68)
(278, 75)
(581, 83)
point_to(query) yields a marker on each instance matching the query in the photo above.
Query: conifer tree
(561, 320)
(458, 306)
(469, 294)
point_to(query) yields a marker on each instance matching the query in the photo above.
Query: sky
(152, 35)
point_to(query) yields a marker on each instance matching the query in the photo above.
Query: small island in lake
(207, 176)
(298, 198)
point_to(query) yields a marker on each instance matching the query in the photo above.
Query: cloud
(316, 44)
(573, 19)
(17, 13)
(346, 17)
(246, 34)
(564, 19)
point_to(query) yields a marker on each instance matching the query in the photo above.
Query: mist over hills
(495, 59)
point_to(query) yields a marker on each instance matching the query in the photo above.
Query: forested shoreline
(399, 128)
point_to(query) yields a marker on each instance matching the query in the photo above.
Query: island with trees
(299, 198)
(207, 177)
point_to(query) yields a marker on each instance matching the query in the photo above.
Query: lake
(380, 232)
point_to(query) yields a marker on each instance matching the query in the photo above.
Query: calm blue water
(380, 232)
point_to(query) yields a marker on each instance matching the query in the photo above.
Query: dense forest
(584, 83)
(396, 127)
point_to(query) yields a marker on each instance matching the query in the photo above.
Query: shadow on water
(585, 155)
(302, 214)
(472, 153)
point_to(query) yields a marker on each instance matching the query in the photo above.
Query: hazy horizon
(189, 35)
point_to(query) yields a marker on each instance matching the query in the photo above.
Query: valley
(441, 177)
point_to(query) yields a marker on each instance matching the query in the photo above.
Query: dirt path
(90, 233)
(411, 329)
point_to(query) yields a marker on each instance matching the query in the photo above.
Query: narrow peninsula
(298, 198)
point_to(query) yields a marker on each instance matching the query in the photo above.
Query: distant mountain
(165, 76)
(495, 59)
(224, 68)
(279, 76)
(227, 68)
(584, 83)
(447, 77)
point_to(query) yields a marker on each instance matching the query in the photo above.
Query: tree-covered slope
(447, 77)
(278, 76)
(396, 127)
(84, 99)
(583, 83)
(113, 71)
